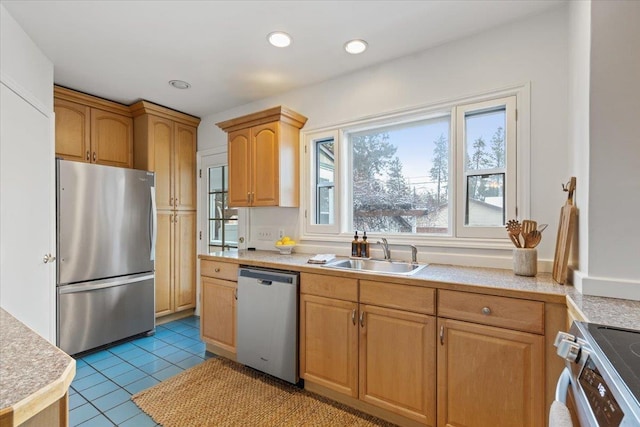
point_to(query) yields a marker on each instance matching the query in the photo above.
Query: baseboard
(361, 406)
(174, 316)
(606, 287)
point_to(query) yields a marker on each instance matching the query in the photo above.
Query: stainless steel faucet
(385, 248)
(414, 254)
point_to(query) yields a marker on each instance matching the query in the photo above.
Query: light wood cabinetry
(92, 130)
(374, 352)
(165, 142)
(329, 332)
(175, 278)
(219, 295)
(263, 158)
(490, 375)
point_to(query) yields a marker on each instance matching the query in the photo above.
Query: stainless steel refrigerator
(106, 228)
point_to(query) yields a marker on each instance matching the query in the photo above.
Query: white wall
(613, 267)
(534, 50)
(579, 56)
(27, 226)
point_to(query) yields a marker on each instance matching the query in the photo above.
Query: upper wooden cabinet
(263, 150)
(92, 130)
(165, 142)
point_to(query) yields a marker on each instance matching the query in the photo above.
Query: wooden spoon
(514, 229)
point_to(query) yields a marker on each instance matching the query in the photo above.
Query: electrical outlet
(280, 233)
(265, 233)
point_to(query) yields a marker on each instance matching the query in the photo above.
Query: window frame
(510, 183)
(518, 205)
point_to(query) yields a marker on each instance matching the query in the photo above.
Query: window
(400, 177)
(223, 221)
(446, 171)
(325, 181)
(487, 180)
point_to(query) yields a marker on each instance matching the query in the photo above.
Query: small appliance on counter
(603, 373)
(106, 228)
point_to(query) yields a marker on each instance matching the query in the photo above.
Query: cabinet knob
(441, 334)
(217, 270)
(362, 319)
(87, 155)
(486, 311)
(175, 202)
(353, 316)
(48, 258)
(94, 156)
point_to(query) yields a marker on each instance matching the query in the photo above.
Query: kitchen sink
(377, 266)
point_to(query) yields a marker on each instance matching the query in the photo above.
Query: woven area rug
(220, 392)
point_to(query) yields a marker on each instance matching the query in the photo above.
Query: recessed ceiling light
(179, 84)
(279, 39)
(355, 47)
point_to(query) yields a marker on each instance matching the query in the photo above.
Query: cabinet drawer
(403, 297)
(491, 310)
(219, 270)
(329, 286)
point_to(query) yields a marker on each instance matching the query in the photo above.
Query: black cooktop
(622, 348)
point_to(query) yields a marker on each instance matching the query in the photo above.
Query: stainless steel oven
(603, 373)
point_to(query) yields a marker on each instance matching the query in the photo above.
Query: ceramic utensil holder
(525, 261)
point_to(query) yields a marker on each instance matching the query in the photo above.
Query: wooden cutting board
(566, 228)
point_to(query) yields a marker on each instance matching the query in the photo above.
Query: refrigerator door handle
(153, 223)
(102, 284)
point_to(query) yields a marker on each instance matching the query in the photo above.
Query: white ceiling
(129, 50)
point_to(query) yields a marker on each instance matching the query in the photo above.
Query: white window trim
(510, 181)
(311, 233)
(310, 198)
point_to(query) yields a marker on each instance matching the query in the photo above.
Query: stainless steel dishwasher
(268, 322)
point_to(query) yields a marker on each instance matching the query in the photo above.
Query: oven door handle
(562, 388)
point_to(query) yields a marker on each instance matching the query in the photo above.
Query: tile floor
(100, 394)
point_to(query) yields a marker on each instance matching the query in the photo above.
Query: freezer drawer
(98, 313)
(268, 322)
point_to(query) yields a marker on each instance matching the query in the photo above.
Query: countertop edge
(44, 397)
(613, 312)
(412, 280)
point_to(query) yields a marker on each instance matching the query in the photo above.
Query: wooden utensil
(532, 239)
(565, 234)
(528, 227)
(514, 229)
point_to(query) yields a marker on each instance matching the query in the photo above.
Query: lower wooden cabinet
(218, 301)
(175, 261)
(489, 376)
(382, 356)
(329, 343)
(218, 321)
(398, 362)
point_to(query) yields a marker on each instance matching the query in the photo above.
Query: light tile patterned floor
(100, 394)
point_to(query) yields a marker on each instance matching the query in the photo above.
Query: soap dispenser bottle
(364, 246)
(355, 246)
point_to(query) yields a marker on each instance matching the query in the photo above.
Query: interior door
(27, 284)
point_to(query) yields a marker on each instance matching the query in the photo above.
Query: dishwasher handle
(268, 277)
(265, 282)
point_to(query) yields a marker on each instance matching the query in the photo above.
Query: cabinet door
(329, 343)
(218, 311)
(489, 376)
(163, 264)
(161, 139)
(184, 171)
(266, 167)
(184, 260)
(398, 362)
(73, 123)
(111, 139)
(239, 168)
